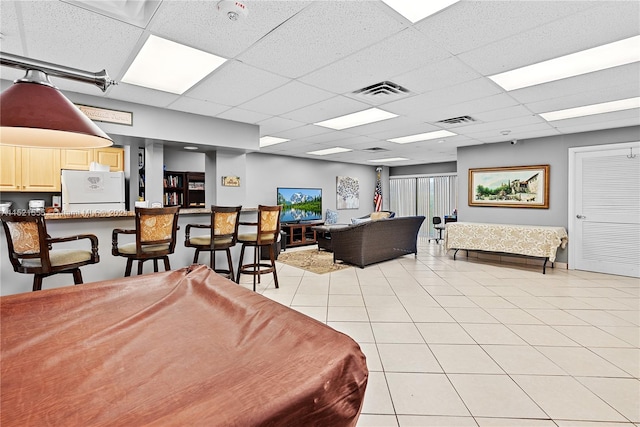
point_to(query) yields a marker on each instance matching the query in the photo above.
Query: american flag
(377, 195)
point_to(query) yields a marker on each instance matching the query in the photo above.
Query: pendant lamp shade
(33, 113)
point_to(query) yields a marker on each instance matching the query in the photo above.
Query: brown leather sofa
(376, 241)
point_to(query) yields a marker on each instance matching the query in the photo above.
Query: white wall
(553, 151)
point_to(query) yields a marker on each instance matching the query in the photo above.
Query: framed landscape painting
(510, 187)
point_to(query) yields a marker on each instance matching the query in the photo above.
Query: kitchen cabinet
(30, 169)
(81, 158)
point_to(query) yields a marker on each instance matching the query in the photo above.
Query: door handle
(581, 217)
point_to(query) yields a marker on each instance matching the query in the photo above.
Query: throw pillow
(359, 220)
(332, 217)
(379, 215)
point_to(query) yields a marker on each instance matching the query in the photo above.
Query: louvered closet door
(607, 220)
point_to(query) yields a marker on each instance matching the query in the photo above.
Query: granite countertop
(123, 214)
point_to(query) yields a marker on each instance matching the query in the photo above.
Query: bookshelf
(184, 189)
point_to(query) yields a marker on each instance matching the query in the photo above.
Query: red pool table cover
(184, 348)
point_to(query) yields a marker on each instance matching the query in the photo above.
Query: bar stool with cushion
(31, 249)
(222, 236)
(155, 233)
(266, 235)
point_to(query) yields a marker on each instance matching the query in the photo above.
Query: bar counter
(109, 267)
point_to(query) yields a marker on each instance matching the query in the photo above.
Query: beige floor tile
(318, 313)
(565, 398)
(344, 288)
(555, 317)
(454, 301)
(627, 359)
(567, 303)
(374, 420)
(488, 302)
(511, 422)
(310, 300)
(527, 302)
(359, 331)
(513, 316)
(435, 421)
(542, 335)
(376, 289)
(464, 359)
(444, 333)
(471, 315)
(428, 314)
(370, 351)
(377, 399)
(347, 314)
(623, 394)
(396, 333)
(629, 334)
(599, 318)
(346, 301)
(579, 361)
(424, 394)
(392, 313)
(441, 290)
(407, 358)
(570, 423)
(590, 336)
(632, 316)
(516, 359)
(492, 334)
(494, 396)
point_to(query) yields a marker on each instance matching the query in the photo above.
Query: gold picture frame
(510, 187)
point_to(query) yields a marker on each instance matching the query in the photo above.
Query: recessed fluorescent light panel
(415, 10)
(170, 67)
(190, 147)
(388, 159)
(589, 110)
(422, 137)
(598, 58)
(364, 117)
(327, 151)
(266, 141)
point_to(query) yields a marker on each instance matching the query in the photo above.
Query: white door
(605, 214)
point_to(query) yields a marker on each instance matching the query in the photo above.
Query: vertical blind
(424, 195)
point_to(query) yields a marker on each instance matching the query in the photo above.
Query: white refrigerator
(92, 191)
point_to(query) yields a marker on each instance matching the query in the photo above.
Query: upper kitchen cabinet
(80, 159)
(112, 156)
(29, 169)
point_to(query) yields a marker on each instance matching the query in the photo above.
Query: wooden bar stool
(155, 232)
(223, 235)
(266, 235)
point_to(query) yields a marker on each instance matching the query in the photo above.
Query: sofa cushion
(359, 220)
(331, 217)
(379, 215)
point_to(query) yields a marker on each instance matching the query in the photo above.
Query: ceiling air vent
(375, 149)
(458, 120)
(381, 90)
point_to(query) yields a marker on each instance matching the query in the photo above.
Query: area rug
(313, 260)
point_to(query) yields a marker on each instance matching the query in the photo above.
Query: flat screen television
(300, 204)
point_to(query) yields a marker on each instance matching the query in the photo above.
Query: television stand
(299, 234)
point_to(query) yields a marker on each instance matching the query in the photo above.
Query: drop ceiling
(294, 63)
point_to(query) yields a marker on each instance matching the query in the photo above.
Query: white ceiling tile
(470, 24)
(612, 21)
(468, 91)
(240, 115)
(319, 35)
(404, 51)
(12, 34)
(235, 83)
(470, 108)
(197, 106)
(274, 125)
(438, 75)
(503, 113)
(507, 124)
(213, 32)
(327, 109)
(590, 126)
(287, 98)
(132, 93)
(517, 132)
(302, 132)
(99, 42)
(597, 119)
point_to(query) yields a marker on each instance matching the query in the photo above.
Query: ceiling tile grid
(294, 63)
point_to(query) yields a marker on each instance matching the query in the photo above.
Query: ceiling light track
(100, 79)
